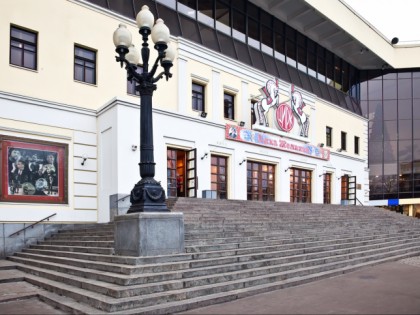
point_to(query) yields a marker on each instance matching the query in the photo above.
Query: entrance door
(181, 173)
(219, 175)
(352, 190)
(327, 188)
(192, 173)
(300, 185)
(345, 187)
(260, 181)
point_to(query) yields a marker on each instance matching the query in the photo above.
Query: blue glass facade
(391, 101)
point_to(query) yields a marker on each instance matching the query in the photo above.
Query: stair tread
(234, 255)
(179, 273)
(240, 293)
(116, 301)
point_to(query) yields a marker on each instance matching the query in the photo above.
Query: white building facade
(222, 128)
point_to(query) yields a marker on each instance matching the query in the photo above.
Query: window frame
(252, 112)
(228, 104)
(85, 60)
(356, 145)
(343, 141)
(24, 43)
(194, 93)
(328, 136)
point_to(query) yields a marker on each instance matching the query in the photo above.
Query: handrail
(359, 201)
(32, 225)
(116, 201)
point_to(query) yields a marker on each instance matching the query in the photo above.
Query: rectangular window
(131, 85)
(328, 137)
(223, 21)
(198, 97)
(356, 145)
(84, 65)
(343, 141)
(229, 106)
(253, 114)
(23, 48)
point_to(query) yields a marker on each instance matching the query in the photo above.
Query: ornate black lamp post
(147, 195)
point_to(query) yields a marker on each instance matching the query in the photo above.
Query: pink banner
(233, 132)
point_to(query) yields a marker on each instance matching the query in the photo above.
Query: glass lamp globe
(133, 55)
(169, 53)
(122, 36)
(160, 32)
(145, 18)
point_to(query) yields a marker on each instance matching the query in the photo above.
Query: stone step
(255, 214)
(278, 244)
(238, 249)
(124, 275)
(241, 217)
(97, 232)
(216, 298)
(196, 235)
(67, 304)
(82, 238)
(78, 249)
(278, 237)
(111, 304)
(100, 244)
(206, 244)
(87, 228)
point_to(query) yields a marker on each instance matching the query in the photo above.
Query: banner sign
(237, 133)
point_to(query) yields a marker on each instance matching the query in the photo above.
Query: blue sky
(391, 17)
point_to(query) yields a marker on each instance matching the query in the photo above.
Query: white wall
(184, 132)
(30, 118)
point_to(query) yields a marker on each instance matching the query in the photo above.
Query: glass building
(391, 102)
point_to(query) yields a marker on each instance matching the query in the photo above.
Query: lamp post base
(149, 234)
(148, 196)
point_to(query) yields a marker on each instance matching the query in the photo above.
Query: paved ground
(390, 288)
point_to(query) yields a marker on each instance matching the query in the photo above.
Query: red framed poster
(33, 171)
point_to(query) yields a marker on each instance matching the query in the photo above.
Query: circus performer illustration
(271, 99)
(297, 106)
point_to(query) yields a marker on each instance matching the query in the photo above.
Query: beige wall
(67, 24)
(341, 120)
(54, 78)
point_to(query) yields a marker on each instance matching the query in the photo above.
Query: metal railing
(32, 225)
(122, 198)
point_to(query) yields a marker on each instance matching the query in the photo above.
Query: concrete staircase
(234, 249)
